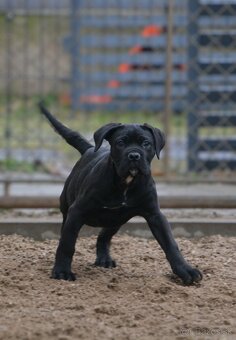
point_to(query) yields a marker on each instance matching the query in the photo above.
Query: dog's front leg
(66, 247)
(162, 232)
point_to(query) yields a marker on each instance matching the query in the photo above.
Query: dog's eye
(146, 144)
(120, 143)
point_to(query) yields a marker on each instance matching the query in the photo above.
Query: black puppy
(109, 186)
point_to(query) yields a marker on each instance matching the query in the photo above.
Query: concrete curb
(41, 229)
(169, 202)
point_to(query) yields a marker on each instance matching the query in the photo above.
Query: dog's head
(133, 146)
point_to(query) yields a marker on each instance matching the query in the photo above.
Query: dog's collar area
(122, 205)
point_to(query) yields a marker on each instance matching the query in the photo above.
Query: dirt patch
(139, 299)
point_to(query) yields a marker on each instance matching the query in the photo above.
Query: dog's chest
(118, 201)
(115, 210)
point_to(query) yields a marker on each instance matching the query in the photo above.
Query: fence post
(193, 82)
(168, 85)
(8, 19)
(75, 31)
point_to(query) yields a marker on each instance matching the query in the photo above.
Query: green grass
(25, 121)
(32, 25)
(20, 166)
(29, 130)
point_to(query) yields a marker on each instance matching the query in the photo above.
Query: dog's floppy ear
(104, 132)
(159, 138)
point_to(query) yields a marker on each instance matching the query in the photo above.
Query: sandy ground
(139, 299)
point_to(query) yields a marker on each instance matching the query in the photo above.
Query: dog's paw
(63, 275)
(105, 262)
(187, 274)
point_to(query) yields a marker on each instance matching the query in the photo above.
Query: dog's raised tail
(73, 138)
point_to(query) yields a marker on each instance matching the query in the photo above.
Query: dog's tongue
(133, 172)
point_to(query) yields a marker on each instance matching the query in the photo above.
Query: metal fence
(212, 86)
(34, 65)
(169, 63)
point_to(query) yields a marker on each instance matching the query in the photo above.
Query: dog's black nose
(134, 156)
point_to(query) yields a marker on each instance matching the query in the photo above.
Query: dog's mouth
(131, 175)
(133, 172)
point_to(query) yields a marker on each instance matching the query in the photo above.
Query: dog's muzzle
(134, 156)
(134, 162)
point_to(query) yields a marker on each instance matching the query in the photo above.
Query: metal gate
(212, 85)
(119, 55)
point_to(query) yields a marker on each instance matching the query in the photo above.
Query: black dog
(109, 186)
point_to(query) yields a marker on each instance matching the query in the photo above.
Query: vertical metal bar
(193, 83)
(25, 76)
(75, 50)
(6, 186)
(168, 85)
(9, 56)
(42, 31)
(57, 20)
(41, 42)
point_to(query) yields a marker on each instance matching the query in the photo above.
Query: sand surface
(139, 299)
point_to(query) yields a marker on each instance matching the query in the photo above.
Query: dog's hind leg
(63, 206)
(103, 248)
(66, 247)
(64, 217)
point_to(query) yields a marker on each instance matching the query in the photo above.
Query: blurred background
(170, 63)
